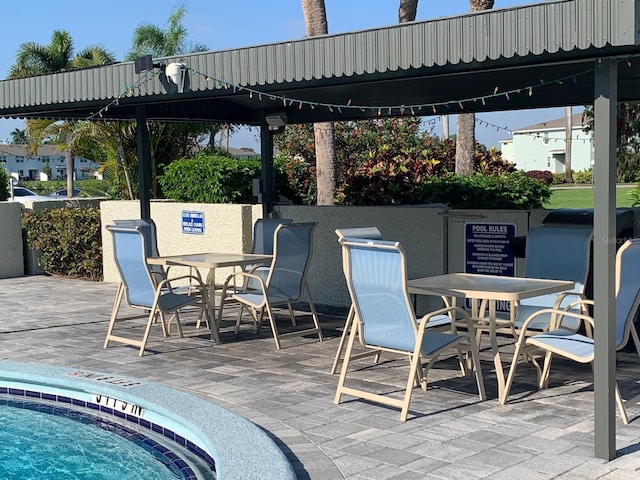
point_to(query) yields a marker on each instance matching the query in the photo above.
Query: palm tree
(35, 59)
(18, 137)
(315, 19)
(168, 42)
(465, 136)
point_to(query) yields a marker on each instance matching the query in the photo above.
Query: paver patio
(450, 434)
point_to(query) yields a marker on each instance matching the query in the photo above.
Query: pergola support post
(266, 156)
(604, 243)
(144, 162)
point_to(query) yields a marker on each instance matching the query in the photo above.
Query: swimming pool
(239, 449)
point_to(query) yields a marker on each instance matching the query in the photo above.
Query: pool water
(46, 442)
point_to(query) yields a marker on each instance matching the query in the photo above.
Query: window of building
(19, 159)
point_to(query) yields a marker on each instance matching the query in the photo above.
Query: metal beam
(266, 157)
(604, 240)
(144, 163)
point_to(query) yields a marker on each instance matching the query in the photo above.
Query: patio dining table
(492, 289)
(212, 261)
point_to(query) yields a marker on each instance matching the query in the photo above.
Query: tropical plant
(35, 59)
(466, 122)
(315, 19)
(163, 42)
(4, 185)
(19, 137)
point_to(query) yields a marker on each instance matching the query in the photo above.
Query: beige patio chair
(376, 276)
(575, 346)
(144, 290)
(285, 283)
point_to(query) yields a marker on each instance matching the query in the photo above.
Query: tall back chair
(556, 253)
(574, 346)
(263, 230)
(376, 276)
(285, 282)
(149, 232)
(262, 243)
(371, 233)
(143, 290)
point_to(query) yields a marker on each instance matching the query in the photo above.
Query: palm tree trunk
(568, 177)
(69, 159)
(407, 11)
(465, 137)
(315, 18)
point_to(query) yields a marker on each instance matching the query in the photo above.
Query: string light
(389, 109)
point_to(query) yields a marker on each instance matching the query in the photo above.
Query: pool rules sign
(487, 248)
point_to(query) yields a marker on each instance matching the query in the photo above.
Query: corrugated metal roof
(389, 63)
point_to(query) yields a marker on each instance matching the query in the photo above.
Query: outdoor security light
(277, 120)
(175, 73)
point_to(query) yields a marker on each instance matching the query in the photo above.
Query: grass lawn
(583, 198)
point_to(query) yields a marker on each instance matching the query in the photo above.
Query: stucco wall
(227, 228)
(420, 230)
(11, 253)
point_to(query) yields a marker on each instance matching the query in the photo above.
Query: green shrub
(544, 176)
(634, 194)
(210, 179)
(583, 177)
(514, 191)
(68, 239)
(49, 186)
(4, 185)
(558, 178)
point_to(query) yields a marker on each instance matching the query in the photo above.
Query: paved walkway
(450, 434)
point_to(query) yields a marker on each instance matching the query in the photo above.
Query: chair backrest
(559, 253)
(376, 275)
(130, 251)
(371, 233)
(292, 252)
(263, 231)
(627, 288)
(150, 233)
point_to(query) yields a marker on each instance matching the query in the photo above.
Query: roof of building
(506, 59)
(20, 150)
(578, 120)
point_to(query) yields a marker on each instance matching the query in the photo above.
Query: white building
(18, 163)
(542, 146)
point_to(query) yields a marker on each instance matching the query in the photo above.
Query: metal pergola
(557, 53)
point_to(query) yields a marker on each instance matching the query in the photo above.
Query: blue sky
(221, 24)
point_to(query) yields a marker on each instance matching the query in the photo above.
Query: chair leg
(314, 314)
(512, 370)
(415, 360)
(114, 314)
(475, 353)
(345, 363)
(623, 411)
(636, 339)
(272, 322)
(343, 337)
(291, 315)
(148, 329)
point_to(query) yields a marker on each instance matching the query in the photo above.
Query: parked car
(79, 193)
(20, 194)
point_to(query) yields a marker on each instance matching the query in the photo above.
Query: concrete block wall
(11, 245)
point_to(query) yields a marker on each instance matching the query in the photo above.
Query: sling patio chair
(285, 283)
(553, 252)
(150, 232)
(376, 276)
(144, 290)
(576, 346)
(443, 322)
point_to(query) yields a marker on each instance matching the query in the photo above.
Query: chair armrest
(556, 318)
(246, 275)
(424, 321)
(563, 295)
(167, 282)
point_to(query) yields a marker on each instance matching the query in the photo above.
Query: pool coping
(241, 450)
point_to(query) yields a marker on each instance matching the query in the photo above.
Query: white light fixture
(175, 73)
(277, 120)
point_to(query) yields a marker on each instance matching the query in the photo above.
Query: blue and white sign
(192, 222)
(487, 248)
